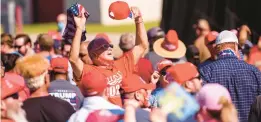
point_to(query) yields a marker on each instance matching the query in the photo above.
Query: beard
(16, 114)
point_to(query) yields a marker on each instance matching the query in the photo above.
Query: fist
(136, 12)
(80, 20)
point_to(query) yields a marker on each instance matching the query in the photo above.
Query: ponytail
(228, 112)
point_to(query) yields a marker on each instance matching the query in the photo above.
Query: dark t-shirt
(65, 90)
(47, 109)
(255, 111)
(142, 115)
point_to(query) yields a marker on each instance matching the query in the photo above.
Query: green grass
(91, 28)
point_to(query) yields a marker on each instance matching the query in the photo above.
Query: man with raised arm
(100, 52)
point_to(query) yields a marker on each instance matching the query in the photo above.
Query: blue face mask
(61, 26)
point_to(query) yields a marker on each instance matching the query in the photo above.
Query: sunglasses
(105, 46)
(198, 77)
(163, 72)
(14, 96)
(18, 47)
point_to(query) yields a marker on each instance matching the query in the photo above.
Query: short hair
(9, 61)
(46, 42)
(225, 45)
(129, 39)
(33, 69)
(7, 38)
(65, 42)
(26, 38)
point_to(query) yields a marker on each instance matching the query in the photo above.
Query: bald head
(127, 42)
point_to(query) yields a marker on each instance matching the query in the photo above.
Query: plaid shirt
(241, 79)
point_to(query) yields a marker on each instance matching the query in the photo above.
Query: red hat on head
(93, 83)
(170, 46)
(211, 37)
(134, 83)
(95, 47)
(103, 35)
(59, 65)
(163, 63)
(145, 69)
(183, 72)
(9, 87)
(119, 10)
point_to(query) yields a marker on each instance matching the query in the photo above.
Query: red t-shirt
(121, 68)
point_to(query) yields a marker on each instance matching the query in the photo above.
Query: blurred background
(39, 16)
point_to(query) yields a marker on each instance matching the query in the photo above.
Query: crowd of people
(55, 79)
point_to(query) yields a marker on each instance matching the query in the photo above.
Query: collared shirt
(155, 95)
(206, 62)
(242, 80)
(89, 105)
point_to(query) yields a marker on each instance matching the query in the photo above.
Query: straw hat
(170, 46)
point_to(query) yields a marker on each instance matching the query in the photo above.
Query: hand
(158, 116)
(80, 20)
(155, 77)
(136, 13)
(246, 29)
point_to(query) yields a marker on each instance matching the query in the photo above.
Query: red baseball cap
(183, 72)
(103, 35)
(163, 63)
(134, 83)
(119, 10)
(93, 83)
(59, 65)
(145, 69)
(211, 37)
(9, 87)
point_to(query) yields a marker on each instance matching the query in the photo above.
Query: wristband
(139, 20)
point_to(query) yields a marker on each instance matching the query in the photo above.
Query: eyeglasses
(163, 72)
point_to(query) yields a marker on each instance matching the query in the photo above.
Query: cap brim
(149, 86)
(178, 53)
(60, 70)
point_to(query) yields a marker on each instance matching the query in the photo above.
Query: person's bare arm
(141, 36)
(76, 62)
(130, 107)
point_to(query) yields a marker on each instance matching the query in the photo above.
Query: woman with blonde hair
(215, 104)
